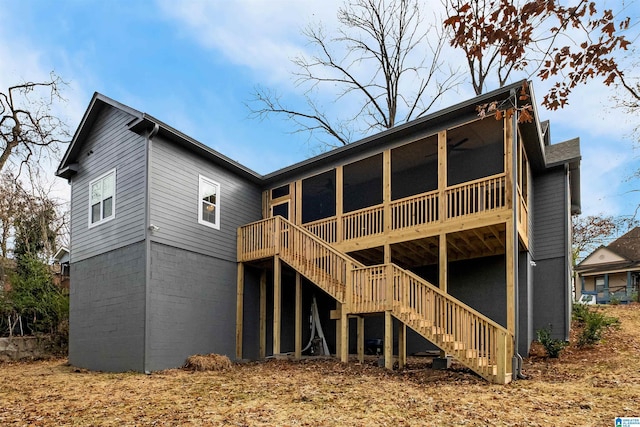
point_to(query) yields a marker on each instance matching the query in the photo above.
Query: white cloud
(30, 62)
(263, 36)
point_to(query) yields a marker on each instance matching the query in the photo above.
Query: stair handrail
(316, 239)
(448, 296)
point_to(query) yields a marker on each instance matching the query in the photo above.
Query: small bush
(552, 346)
(208, 362)
(580, 313)
(614, 299)
(595, 324)
(634, 297)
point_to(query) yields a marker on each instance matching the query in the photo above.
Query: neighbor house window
(209, 203)
(102, 198)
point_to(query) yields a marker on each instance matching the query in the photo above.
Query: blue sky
(194, 65)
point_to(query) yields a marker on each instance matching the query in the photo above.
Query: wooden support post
(360, 338)
(402, 345)
(298, 202)
(502, 358)
(510, 270)
(442, 175)
(337, 315)
(277, 304)
(298, 327)
(344, 335)
(388, 340)
(339, 204)
(443, 263)
(388, 292)
(386, 190)
(239, 310)
(508, 161)
(263, 315)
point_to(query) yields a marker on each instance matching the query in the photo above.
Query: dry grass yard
(584, 387)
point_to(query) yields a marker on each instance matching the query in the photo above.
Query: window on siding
(102, 198)
(209, 203)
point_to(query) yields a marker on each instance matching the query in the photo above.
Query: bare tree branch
(28, 128)
(381, 60)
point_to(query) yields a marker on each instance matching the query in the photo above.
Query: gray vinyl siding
(192, 307)
(550, 295)
(174, 202)
(109, 145)
(549, 215)
(107, 315)
(551, 251)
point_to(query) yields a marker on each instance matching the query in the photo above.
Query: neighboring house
(452, 225)
(612, 272)
(61, 267)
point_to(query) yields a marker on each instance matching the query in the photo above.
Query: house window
(102, 198)
(209, 203)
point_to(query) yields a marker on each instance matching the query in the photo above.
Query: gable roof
(628, 245)
(622, 253)
(143, 123)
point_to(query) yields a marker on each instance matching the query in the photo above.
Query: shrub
(614, 299)
(552, 346)
(580, 313)
(634, 297)
(595, 324)
(42, 305)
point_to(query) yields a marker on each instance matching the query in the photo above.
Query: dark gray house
(451, 230)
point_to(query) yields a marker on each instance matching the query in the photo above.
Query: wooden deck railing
(315, 259)
(470, 198)
(477, 196)
(257, 240)
(326, 229)
(414, 210)
(363, 222)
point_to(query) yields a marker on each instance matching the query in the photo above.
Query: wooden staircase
(472, 338)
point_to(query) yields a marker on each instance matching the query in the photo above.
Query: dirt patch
(584, 387)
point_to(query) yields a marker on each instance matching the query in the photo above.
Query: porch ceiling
(467, 244)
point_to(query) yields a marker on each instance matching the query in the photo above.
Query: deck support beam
(277, 303)
(239, 310)
(263, 315)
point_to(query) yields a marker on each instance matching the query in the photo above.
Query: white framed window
(102, 198)
(209, 203)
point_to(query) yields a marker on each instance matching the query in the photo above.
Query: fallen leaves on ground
(586, 387)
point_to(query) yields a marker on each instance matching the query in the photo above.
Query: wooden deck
(475, 340)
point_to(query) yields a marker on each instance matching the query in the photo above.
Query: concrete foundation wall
(106, 318)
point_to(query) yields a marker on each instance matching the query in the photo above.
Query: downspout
(568, 263)
(148, 230)
(516, 362)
